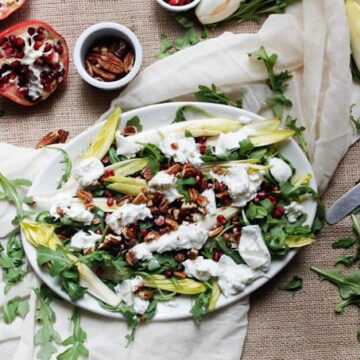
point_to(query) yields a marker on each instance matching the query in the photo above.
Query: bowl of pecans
(108, 55)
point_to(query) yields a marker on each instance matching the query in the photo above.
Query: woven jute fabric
(282, 326)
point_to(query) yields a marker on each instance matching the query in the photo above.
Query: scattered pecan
(139, 199)
(129, 130)
(187, 208)
(180, 275)
(124, 200)
(189, 170)
(152, 235)
(193, 194)
(180, 257)
(216, 231)
(202, 211)
(130, 258)
(129, 61)
(109, 241)
(193, 254)
(171, 223)
(147, 173)
(84, 196)
(164, 206)
(145, 294)
(201, 200)
(218, 170)
(222, 195)
(175, 213)
(203, 185)
(129, 231)
(54, 137)
(172, 170)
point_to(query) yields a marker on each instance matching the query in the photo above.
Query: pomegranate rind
(10, 91)
(7, 10)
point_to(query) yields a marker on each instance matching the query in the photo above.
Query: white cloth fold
(314, 45)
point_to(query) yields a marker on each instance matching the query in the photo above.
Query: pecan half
(147, 173)
(201, 200)
(216, 231)
(111, 63)
(84, 196)
(174, 169)
(130, 258)
(189, 170)
(54, 137)
(129, 130)
(139, 199)
(171, 223)
(110, 240)
(107, 76)
(145, 294)
(152, 235)
(129, 231)
(129, 61)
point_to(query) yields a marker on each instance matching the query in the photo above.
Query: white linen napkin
(314, 45)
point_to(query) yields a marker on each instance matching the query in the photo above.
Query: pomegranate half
(34, 61)
(7, 7)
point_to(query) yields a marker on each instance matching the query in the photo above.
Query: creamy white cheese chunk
(201, 269)
(242, 186)
(211, 201)
(280, 170)
(127, 214)
(245, 119)
(230, 141)
(166, 184)
(61, 205)
(83, 240)
(88, 171)
(181, 149)
(187, 236)
(253, 249)
(294, 211)
(126, 147)
(232, 277)
(126, 292)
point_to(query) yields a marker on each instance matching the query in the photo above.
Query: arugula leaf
(347, 260)
(320, 215)
(256, 9)
(212, 95)
(61, 265)
(355, 226)
(154, 155)
(343, 243)
(290, 123)
(278, 103)
(182, 184)
(76, 340)
(201, 306)
(11, 194)
(113, 156)
(68, 167)
(135, 121)
(12, 261)
(17, 306)
(160, 263)
(181, 112)
(184, 20)
(46, 335)
(188, 38)
(295, 284)
(165, 46)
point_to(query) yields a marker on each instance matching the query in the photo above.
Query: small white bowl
(101, 31)
(174, 8)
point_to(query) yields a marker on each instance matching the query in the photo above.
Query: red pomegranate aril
(40, 37)
(273, 199)
(54, 66)
(164, 230)
(217, 255)
(19, 55)
(47, 47)
(10, 51)
(98, 231)
(20, 43)
(5, 45)
(221, 219)
(15, 64)
(261, 195)
(4, 40)
(202, 149)
(40, 30)
(59, 49)
(105, 159)
(278, 212)
(107, 193)
(226, 236)
(256, 200)
(38, 62)
(236, 229)
(160, 220)
(229, 244)
(24, 90)
(237, 238)
(31, 31)
(12, 39)
(110, 201)
(144, 232)
(38, 45)
(168, 273)
(201, 139)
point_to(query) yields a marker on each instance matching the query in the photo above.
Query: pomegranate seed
(12, 39)
(25, 69)
(105, 159)
(202, 149)
(261, 195)
(98, 231)
(40, 37)
(5, 45)
(226, 236)
(278, 212)
(20, 43)
(47, 47)
(107, 193)
(237, 238)
(4, 40)
(15, 64)
(144, 232)
(168, 273)
(273, 199)
(38, 45)
(236, 229)
(164, 230)
(217, 255)
(160, 220)
(10, 51)
(256, 200)
(229, 244)
(19, 55)
(110, 201)
(23, 90)
(40, 30)
(108, 173)
(59, 49)
(221, 219)
(201, 139)
(31, 31)
(38, 62)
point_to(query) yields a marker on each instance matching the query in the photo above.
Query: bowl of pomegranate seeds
(178, 5)
(108, 55)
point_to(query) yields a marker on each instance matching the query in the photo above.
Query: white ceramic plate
(156, 116)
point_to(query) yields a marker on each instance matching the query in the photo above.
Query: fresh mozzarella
(88, 171)
(211, 201)
(125, 147)
(230, 141)
(280, 170)
(166, 184)
(83, 240)
(294, 211)
(201, 269)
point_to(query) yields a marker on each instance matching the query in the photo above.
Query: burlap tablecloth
(282, 326)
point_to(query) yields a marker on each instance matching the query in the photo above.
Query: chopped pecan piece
(128, 61)
(84, 196)
(54, 137)
(147, 173)
(180, 275)
(139, 199)
(193, 194)
(129, 231)
(107, 76)
(129, 130)
(172, 170)
(164, 206)
(218, 170)
(187, 208)
(193, 254)
(201, 200)
(145, 294)
(171, 223)
(189, 170)
(152, 235)
(110, 240)
(216, 231)
(130, 258)
(111, 63)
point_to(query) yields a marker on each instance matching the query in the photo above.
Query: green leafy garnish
(344, 243)
(183, 184)
(320, 215)
(290, 123)
(76, 340)
(165, 46)
(15, 307)
(180, 115)
(201, 306)
(278, 103)
(46, 335)
(188, 38)
(61, 265)
(135, 121)
(154, 155)
(212, 95)
(12, 261)
(347, 260)
(68, 167)
(295, 284)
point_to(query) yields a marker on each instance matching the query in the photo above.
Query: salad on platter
(195, 209)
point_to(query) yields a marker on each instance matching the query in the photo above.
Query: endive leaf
(105, 137)
(126, 185)
(298, 241)
(215, 293)
(128, 167)
(186, 286)
(268, 137)
(353, 14)
(39, 234)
